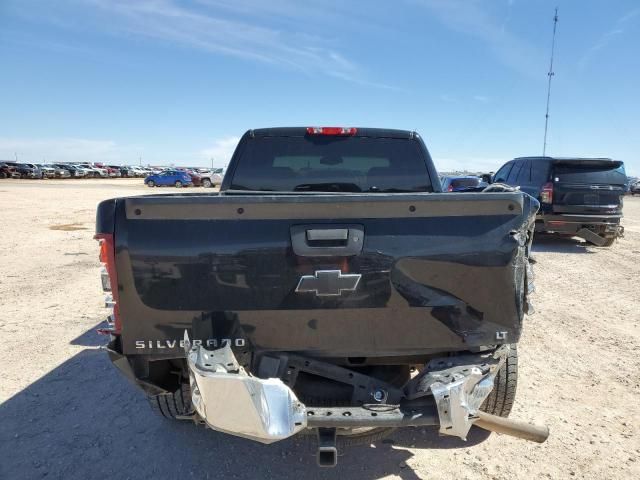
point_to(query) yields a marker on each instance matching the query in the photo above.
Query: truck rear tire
(500, 400)
(172, 405)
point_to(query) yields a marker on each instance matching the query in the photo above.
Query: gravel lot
(66, 413)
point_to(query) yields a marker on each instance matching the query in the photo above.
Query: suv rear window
(331, 164)
(608, 174)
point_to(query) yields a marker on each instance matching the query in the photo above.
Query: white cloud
(475, 19)
(220, 151)
(481, 98)
(607, 38)
(207, 26)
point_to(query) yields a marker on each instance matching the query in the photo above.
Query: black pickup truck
(328, 287)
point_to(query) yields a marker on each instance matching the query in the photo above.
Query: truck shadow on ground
(91, 338)
(557, 244)
(83, 420)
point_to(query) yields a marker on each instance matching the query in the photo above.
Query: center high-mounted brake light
(331, 131)
(546, 194)
(110, 280)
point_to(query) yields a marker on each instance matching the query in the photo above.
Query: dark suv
(578, 196)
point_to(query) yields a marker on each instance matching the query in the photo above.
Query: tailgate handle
(328, 234)
(330, 240)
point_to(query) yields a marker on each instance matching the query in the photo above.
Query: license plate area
(591, 199)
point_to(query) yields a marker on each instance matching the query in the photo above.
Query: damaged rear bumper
(230, 400)
(448, 394)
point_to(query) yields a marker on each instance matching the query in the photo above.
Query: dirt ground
(65, 412)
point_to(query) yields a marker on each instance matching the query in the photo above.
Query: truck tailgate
(430, 272)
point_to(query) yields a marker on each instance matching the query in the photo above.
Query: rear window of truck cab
(340, 164)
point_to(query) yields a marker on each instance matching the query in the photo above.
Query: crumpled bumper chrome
(230, 400)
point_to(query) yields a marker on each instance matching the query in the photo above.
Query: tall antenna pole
(550, 75)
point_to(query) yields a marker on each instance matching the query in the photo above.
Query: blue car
(174, 178)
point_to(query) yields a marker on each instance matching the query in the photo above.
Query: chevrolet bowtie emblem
(328, 283)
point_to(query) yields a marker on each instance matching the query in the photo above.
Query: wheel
(172, 405)
(608, 242)
(178, 184)
(500, 400)
(151, 183)
(206, 183)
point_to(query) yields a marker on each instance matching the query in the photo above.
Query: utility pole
(550, 75)
(140, 160)
(15, 154)
(211, 163)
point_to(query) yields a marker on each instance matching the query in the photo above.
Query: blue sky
(175, 81)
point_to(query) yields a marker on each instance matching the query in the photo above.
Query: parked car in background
(94, 171)
(634, 189)
(74, 170)
(210, 179)
(125, 171)
(578, 196)
(6, 171)
(47, 171)
(130, 171)
(174, 178)
(59, 172)
(459, 184)
(119, 169)
(196, 179)
(25, 170)
(112, 172)
(138, 171)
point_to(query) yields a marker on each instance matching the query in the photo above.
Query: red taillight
(450, 188)
(546, 194)
(331, 131)
(108, 259)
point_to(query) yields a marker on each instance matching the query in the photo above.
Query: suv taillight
(546, 194)
(109, 276)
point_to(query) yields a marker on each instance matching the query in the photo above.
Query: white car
(96, 171)
(139, 171)
(209, 178)
(47, 171)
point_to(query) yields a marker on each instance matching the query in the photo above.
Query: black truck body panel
(439, 272)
